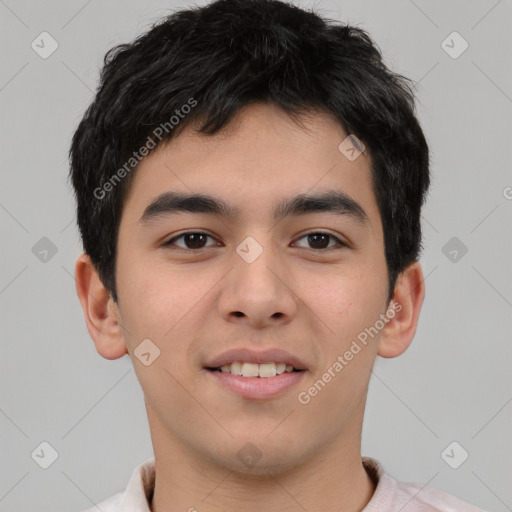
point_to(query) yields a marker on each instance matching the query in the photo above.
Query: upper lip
(246, 355)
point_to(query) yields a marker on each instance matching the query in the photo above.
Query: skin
(195, 305)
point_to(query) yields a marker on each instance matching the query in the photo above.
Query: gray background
(453, 383)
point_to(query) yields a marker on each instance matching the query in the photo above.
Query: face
(308, 283)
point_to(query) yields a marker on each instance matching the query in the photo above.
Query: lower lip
(258, 388)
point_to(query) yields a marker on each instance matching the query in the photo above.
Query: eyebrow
(331, 201)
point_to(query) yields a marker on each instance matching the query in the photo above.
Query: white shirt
(389, 496)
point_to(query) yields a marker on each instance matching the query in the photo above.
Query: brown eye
(320, 240)
(192, 240)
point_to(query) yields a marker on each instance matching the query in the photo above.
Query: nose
(259, 292)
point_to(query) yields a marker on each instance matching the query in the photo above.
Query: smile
(256, 387)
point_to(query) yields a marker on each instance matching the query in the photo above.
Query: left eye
(195, 240)
(319, 238)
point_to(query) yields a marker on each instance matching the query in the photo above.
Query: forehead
(257, 162)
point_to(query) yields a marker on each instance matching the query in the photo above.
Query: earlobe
(403, 312)
(101, 314)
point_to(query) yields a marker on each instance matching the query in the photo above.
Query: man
(249, 180)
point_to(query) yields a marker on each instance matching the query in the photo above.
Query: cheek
(153, 295)
(151, 309)
(345, 303)
(156, 310)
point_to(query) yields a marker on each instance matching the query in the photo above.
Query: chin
(258, 458)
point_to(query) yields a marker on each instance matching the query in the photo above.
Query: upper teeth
(255, 369)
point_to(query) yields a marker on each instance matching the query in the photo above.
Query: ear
(101, 313)
(403, 312)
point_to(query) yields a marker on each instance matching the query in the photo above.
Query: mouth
(249, 362)
(244, 380)
(219, 370)
(262, 370)
(256, 374)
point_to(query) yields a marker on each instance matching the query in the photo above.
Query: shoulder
(136, 496)
(391, 494)
(431, 499)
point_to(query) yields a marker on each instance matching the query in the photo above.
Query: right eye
(193, 240)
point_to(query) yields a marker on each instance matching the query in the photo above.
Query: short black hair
(203, 64)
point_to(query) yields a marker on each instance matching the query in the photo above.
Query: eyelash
(340, 244)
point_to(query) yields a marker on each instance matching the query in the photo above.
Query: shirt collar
(139, 491)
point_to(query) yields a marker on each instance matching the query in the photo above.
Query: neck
(331, 480)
